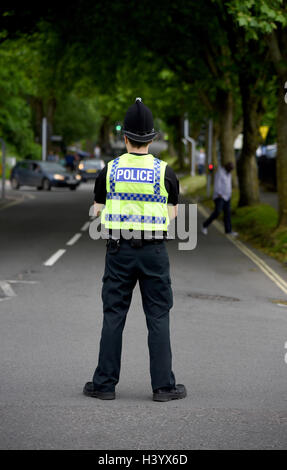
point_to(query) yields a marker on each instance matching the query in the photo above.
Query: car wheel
(46, 185)
(15, 183)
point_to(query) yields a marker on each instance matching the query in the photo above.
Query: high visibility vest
(136, 194)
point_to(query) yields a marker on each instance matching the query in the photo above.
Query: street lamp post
(193, 143)
(3, 168)
(44, 138)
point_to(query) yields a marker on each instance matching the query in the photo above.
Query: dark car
(88, 168)
(266, 160)
(42, 175)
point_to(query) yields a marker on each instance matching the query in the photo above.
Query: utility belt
(113, 245)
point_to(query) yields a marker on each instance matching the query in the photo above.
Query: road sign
(263, 131)
(193, 143)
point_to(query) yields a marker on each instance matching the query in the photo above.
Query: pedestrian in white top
(221, 196)
(201, 161)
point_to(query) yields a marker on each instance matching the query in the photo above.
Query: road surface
(228, 339)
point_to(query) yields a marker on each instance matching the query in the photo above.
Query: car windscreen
(90, 164)
(52, 167)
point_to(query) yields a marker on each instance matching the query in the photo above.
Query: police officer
(136, 188)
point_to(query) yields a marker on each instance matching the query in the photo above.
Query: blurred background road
(227, 333)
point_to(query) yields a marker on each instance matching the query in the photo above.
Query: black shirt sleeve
(170, 182)
(171, 185)
(100, 189)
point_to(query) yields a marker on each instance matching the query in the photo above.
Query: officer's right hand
(98, 209)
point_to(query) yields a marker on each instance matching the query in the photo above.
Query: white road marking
(7, 289)
(265, 268)
(52, 260)
(85, 226)
(74, 239)
(12, 281)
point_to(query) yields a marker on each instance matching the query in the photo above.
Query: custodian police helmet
(138, 122)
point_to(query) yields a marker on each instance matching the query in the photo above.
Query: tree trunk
(215, 137)
(37, 116)
(90, 145)
(282, 154)
(226, 127)
(171, 149)
(104, 136)
(277, 42)
(50, 114)
(176, 134)
(247, 165)
(226, 132)
(40, 110)
(248, 181)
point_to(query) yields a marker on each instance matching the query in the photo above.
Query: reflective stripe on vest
(136, 194)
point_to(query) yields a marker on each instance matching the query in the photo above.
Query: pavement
(228, 340)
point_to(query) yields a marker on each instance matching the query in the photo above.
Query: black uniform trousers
(125, 265)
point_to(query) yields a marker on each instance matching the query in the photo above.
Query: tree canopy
(82, 65)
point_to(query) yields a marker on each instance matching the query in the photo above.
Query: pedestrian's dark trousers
(220, 204)
(149, 265)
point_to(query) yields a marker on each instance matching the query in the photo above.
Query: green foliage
(87, 64)
(37, 75)
(15, 113)
(76, 119)
(258, 220)
(259, 16)
(279, 244)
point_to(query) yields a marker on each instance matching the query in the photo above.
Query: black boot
(165, 394)
(90, 391)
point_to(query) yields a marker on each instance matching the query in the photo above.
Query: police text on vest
(135, 175)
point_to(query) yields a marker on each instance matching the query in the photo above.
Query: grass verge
(258, 225)
(191, 185)
(7, 172)
(170, 160)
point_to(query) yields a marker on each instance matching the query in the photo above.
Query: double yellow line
(265, 268)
